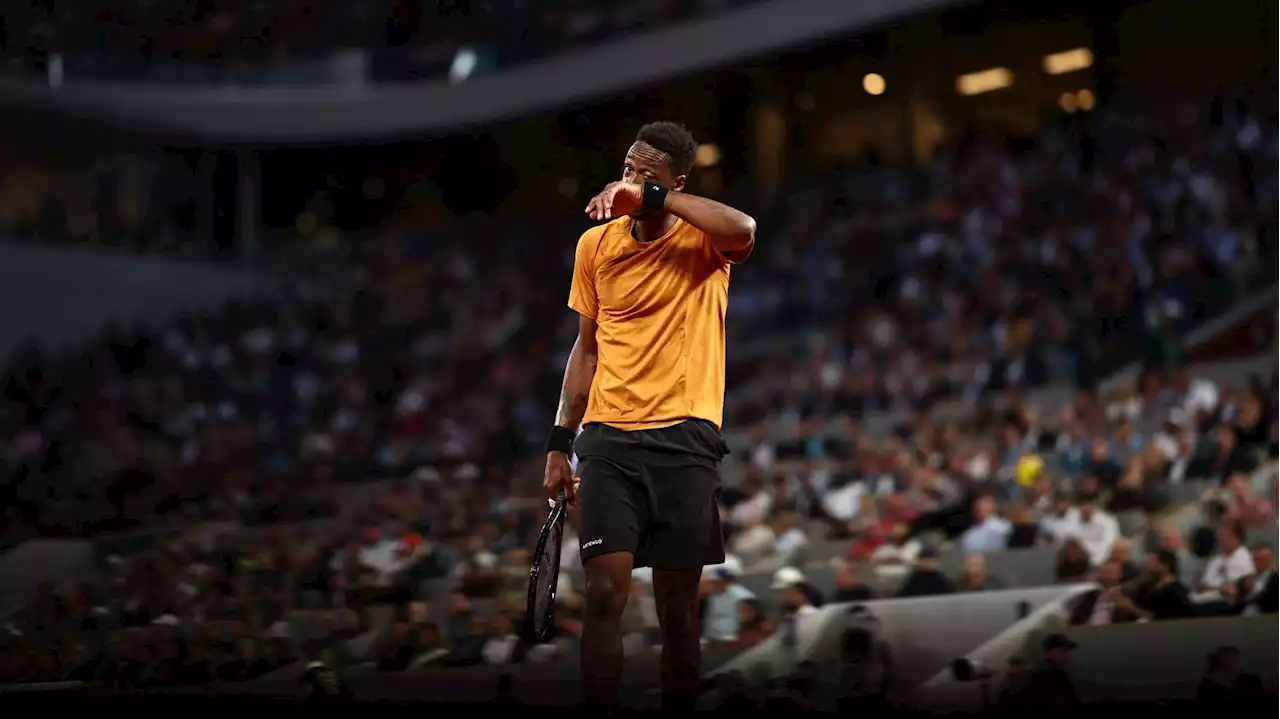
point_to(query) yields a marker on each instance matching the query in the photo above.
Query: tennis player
(645, 380)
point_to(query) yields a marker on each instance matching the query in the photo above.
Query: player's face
(645, 163)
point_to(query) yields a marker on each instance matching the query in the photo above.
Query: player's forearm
(578, 375)
(730, 230)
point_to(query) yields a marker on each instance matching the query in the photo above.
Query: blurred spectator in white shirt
(893, 559)
(989, 533)
(1095, 528)
(1231, 563)
(753, 542)
(503, 643)
(755, 506)
(789, 538)
(843, 502)
(1062, 516)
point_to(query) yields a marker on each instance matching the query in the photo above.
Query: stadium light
(464, 63)
(708, 155)
(1061, 63)
(976, 83)
(874, 84)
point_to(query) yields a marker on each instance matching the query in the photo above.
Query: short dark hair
(1166, 558)
(674, 141)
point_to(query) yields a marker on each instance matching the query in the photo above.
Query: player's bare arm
(579, 372)
(731, 231)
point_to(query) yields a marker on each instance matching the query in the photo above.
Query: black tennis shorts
(651, 492)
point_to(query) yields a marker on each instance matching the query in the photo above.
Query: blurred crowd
(996, 269)
(229, 41)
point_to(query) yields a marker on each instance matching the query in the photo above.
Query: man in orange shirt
(645, 380)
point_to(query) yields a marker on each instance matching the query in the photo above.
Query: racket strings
(548, 575)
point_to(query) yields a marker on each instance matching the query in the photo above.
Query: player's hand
(558, 477)
(616, 199)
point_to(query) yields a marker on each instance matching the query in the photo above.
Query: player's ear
(678, 184)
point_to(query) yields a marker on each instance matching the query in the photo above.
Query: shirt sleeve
(582, 290)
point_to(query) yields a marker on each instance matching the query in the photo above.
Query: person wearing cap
(795, 591)
(722, 600)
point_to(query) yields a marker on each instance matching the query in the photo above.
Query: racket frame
(554, 520)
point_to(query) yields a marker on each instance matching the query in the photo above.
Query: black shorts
(651, 492)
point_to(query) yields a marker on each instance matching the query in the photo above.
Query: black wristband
(655, 197)
(560, 439)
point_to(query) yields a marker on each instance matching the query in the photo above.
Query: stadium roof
(337, 113)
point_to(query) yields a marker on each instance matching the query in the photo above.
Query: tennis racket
(543, 577)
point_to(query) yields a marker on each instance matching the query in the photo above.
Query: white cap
(731, 566)
(787, 577)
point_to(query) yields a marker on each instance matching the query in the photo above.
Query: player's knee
(606, 597)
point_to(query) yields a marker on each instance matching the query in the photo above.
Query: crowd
(228, 41)
(1011, 267)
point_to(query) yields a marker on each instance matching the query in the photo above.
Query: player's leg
(676, 595)
(611, 512)
(684, 536)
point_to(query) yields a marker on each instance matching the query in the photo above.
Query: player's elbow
(747, 233)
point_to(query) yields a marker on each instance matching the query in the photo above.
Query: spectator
(398, 650)
(1170, 539)
(851, 585)
(973, 575)
(796, 593)
(1160, 595)
(1094, 528)
(1025, 530)
(1051, 685)
(1098, 608)
(1229, 564)
(1102, 466)
(893, 559)
(1245, 506)
(1257, 593)
(753, 626)
(989, 532)
(503, 645)
(926, 579)
(722, 604)
(1073, 563)
(1122, 554)
(789, 537)
(1130, 493)
(1226, 684)
(469, 649)
(1060, 519)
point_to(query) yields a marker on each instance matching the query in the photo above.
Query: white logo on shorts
(592, 543)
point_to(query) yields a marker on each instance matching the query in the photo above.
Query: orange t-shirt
(659, 308)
